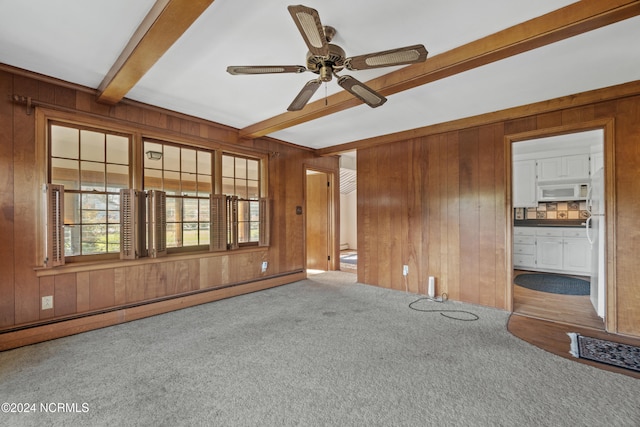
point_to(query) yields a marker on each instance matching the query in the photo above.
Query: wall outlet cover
(47, 302)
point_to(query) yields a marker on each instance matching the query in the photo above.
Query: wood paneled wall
(438, 204)
(87, 289)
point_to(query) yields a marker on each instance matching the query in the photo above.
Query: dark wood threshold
(552, 337)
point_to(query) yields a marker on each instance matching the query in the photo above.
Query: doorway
(319, 220)
(532, 218)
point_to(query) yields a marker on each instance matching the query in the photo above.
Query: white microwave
(562, 192)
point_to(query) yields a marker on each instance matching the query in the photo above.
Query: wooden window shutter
(218, 226)
(157, 204)
(132, 222)
(265, 213)
(54, 225)
(232, 218)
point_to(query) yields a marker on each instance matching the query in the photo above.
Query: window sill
(76, 267)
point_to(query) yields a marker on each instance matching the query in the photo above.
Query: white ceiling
(79, 40)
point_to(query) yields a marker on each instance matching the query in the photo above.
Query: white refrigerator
(595, 228)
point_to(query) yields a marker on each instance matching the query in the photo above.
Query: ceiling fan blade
(369, 96)
(305, 95)
(388, 58)
(308, 22)
(265, 69)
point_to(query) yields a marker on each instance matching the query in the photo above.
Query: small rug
(603, 351)
(553, 283)
(349, 259)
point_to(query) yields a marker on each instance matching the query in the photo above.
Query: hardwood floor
(544, 319)
(569, 309)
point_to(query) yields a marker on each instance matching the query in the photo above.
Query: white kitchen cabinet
(577, 254)
(552, 249)
(524, 248)
(564, 168)
(524, 184)
(549, 252)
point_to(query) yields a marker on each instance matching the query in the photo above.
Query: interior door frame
(333, 246)
(607, 125)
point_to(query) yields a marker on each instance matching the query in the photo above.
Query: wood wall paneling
(26, 193)
(7, 204)
(462, 204)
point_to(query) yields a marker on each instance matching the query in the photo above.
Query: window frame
(97, 128)
(136, 134)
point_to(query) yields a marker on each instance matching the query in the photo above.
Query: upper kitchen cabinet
(524, 184)
(572, 168)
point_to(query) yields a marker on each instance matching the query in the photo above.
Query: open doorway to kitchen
(348, 213)
(558, 225)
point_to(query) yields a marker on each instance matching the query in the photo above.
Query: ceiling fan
(326, 60)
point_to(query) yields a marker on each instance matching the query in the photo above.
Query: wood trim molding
(608, 127)
(164, 24)
(574, 19)
(35, 334)
(569, 101)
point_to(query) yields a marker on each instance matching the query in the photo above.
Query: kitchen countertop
(568, 223)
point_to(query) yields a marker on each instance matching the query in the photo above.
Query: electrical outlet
(47, 302)
(265, 264)
(405, 270)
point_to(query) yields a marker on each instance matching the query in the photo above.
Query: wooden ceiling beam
(164, 24)
(574, 19)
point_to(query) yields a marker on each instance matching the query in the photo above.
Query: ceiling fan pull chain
(326, 100)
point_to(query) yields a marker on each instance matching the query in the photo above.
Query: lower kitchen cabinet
(552, 249)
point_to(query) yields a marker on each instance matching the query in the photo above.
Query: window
(185, 175)
(92, 165)
(241, 179)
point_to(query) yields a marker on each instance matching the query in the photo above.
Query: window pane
(92, 146)
(65, 142)
(241, 188)
(173, 235)
(94, 201)
(188, 160)
(204, 185)
(243, 232)
(71, 208)
(190, 212)
(190, 234)
(71, 240)
(171, 158)
(152, 179)
(151, 149)
(92, 216)
(65, 172)
(254, 232)
(204, 163)
(204, 211)
(173, 210)
(118, 149)
(227, 186)
(227, 166)
(94, 239)
(241, 167)
(243, 211)
(92, 176)
(117, 177)
(171, 182)
(189, 184)
(253, 169)
(113, 210)
(113, 244)
(253, 190)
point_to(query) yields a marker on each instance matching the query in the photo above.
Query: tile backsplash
(554, 210)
